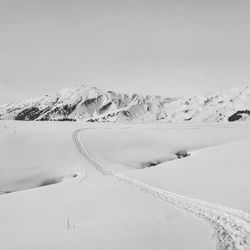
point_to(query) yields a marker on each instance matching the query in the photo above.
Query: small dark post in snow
(68, 224)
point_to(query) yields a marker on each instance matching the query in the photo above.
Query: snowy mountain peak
(87, 103)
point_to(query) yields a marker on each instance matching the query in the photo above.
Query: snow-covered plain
(93, 211)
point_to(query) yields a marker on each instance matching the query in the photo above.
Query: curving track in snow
(231, 226)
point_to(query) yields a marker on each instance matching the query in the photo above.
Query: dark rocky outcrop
(29, 114)
(238, 115)
(182, 154)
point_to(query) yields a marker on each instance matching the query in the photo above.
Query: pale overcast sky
(149, 46)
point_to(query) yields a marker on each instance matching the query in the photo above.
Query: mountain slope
(95, 105)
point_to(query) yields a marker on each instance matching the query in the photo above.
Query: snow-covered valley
(89, 210)
(124, 125)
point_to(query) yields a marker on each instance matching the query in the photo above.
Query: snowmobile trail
(231, 227)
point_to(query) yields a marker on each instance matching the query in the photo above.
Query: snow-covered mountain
(94, 105)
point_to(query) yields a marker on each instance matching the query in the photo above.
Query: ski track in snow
(231, 227)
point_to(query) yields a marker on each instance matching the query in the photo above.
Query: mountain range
(85, 103)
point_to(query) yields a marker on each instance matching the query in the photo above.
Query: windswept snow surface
(36, 154)
(92, 211)
(231, 226)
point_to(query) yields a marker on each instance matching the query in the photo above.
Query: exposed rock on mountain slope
(94, 105)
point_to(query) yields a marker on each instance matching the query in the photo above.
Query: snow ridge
(85, 103)
(231, 226)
